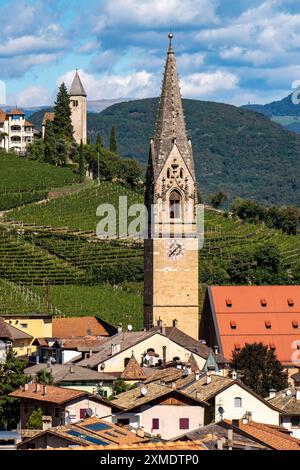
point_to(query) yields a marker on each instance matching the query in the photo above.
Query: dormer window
(233, 325)
(290, 302)
(263, 302)
(237, 347)
(295, 324)
(272, 346)
(268, 324)
(228, 302)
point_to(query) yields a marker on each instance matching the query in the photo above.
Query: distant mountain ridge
(236, 150)
(284, 107)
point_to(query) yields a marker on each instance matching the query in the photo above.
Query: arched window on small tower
(175, 205)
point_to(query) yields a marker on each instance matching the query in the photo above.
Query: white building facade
(15, 131)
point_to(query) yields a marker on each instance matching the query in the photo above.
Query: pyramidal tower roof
(77, 87)
(170, 123)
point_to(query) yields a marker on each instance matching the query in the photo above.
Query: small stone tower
(171, 250)
(79, 109)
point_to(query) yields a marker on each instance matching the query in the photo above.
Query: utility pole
(98, 168)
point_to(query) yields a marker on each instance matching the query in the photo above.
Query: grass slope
(23, 181)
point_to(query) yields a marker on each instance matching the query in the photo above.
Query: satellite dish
(129, 327)
(89, 412)
(221, 410)
(144, 391)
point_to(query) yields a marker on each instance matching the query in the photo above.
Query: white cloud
(152, 13)
(25, 45)
(202, 85)
(34, 95)
(135, 85)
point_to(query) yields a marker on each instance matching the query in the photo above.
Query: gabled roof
(68, 327)
(11, 332)
(133, 371)
(70, 373)
(193, 363)
(77, 87)
(148, 446)
(53, 394)
(253, 314)
(135, 397)
(275, 438)
(287, 402)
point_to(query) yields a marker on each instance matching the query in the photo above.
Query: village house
(160, 410)
(242, 434)
(76, 377)
(288, 401)
(84, 433)
(13, 338)
(35, 325)
(169, 344)
(61, 405)
(235, 315)
(74, 327)
(15, 131)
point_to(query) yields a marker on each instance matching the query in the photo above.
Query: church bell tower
(78, 103)
(171, 279)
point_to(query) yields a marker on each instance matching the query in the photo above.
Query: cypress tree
(62, 122)
(49, 142)
(99, 141)
(113, 140)
(81, 163)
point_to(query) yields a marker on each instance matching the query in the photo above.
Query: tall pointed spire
(77, 87)
(170, 124)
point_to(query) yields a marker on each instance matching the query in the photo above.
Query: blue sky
(234, 51)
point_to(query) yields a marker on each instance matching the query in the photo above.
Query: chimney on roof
(216, 349)
(208, 378)
(236, 423)
(220, 443)
(140, 432)
(164, 348)
(197, 375)
(297, 393)
(163, 330)
(44, 390)
(173, 385)
(234, 374)
(159, 322)
(198, 396)
(115, 348)
(230, 436)
(175, 323)
(247, 418)
(90, 353)
(37, 388)
(26, 387)
(272, 393)
(120, 328)
(47, 422)
(71, 369)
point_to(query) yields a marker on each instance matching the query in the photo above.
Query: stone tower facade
(171, 251)
(78, 103)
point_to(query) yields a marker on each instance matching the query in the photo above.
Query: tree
(49, 143)
(62, 123)
(113, 140)
(11, 378)
(130, 171)
(36, 150)
(44, 377)
(35, 420)
(269, 266)
(81, 163)
(121, 386)
(99, 141)
(218, 199)
(259, 368)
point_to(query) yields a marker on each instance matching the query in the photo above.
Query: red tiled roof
(272, 321)
(53, 394)
(15, 111)
(2, 116)
(274, 438)
(77, 326)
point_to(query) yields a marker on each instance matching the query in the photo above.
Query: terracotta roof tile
(11, 332)
(133, 371)
(151, 446)
(15, 111)
(273, 323)
(53, 394)
(48, 116)
(268, 435)
(68, 327)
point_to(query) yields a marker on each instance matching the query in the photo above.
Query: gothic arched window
(175, 205)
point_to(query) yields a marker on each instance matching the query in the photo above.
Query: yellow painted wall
(36, 327)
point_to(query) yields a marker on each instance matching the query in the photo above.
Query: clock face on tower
(175, 249)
